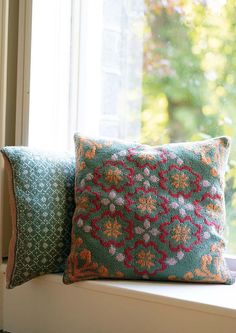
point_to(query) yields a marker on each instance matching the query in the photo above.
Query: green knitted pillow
(146, 212)
(41, 187)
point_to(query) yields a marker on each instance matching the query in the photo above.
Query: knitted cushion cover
(41, 187)
(146, 212)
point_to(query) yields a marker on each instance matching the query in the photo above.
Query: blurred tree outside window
(189, 79)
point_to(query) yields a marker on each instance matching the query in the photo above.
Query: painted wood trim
(3, 79)
(23, 72)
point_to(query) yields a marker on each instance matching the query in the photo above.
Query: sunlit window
(154, 71)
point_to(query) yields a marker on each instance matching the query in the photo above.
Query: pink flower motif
(112, 250)
(147, 231)
(171, 261)
(146, 237)
(146, 172)
(120, 257)
(180, 255)
(146, 178)
(113, 201)
(80, 223)
(172, 155)
(206, 183)
(182, 206)
(179, 161)
(139, 177)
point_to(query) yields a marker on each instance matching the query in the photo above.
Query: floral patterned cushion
(41, 188)
(146, 212)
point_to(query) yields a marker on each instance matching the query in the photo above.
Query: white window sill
(208, 298)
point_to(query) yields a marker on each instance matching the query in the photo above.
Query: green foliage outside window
(189, 80)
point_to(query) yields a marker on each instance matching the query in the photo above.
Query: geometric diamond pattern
(42, 191)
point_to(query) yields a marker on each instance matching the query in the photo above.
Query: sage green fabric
(41, 188)
(146, 212)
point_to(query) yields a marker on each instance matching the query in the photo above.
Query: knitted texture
(146, 212)
(41, 187)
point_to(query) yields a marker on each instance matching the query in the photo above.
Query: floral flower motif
(213, 210)
(181, 233)
(86, 203)
(182, 206)
(113, 175)
(210, 208)
(171, 261)
(145, 156)
(120, 257)
(112, 230)
(146, 204)
(82, 203)
(146, 177)
(113, 201)
(147, 231)
(121, 153)
(81, 224)
(180, 180)
(145, 258)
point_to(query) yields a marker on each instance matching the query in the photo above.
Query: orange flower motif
(181, 234)
(145, 156)
(213, 210)
(103, 271)
(119, 275)
(214, 172)
(145, 259)
(180, 180)
(90, 153)
(82, 203)
(113, 176)
(86, 255)
(146, 204)
(112, 229)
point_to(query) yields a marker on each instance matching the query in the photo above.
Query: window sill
(209, 298)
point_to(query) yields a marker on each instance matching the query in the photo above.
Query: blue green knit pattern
(43, 189)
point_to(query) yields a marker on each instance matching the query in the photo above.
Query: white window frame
(23, 78)
(3, 79)
(23, 72)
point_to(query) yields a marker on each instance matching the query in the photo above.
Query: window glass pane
(50, 69)
(189, 90)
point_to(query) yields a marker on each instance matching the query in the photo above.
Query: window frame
(23, 79)
(23, 72)
(4, 8)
